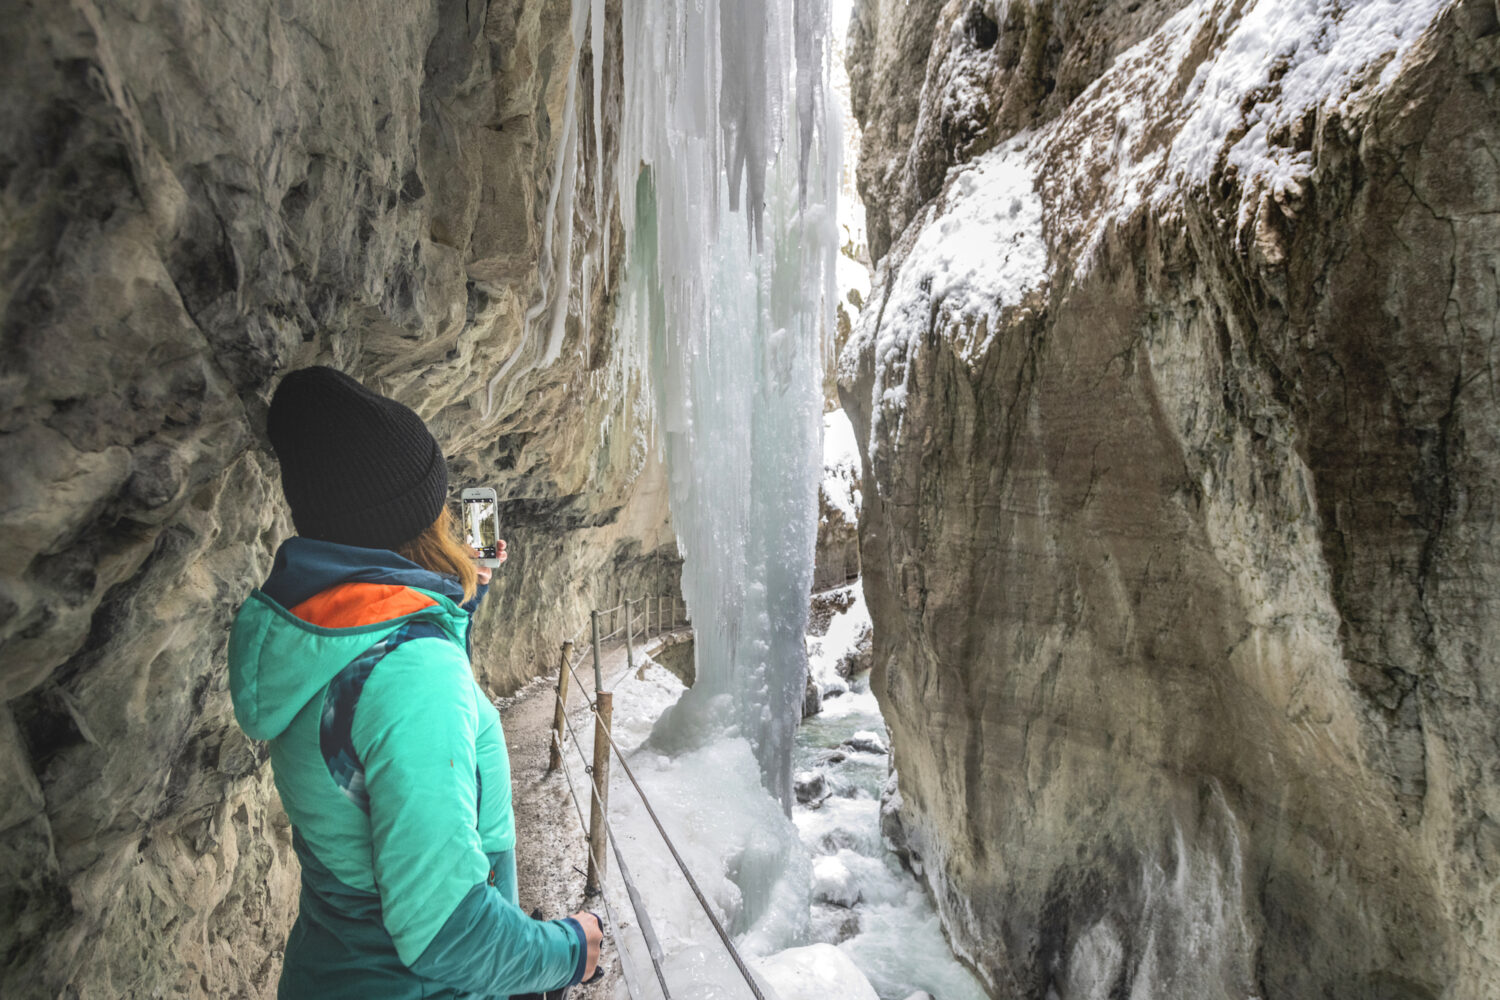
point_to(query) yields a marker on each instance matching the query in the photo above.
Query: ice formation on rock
(725, 109)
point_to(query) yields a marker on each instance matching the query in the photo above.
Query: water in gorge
(817, 903)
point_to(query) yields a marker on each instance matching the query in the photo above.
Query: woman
(352, 661)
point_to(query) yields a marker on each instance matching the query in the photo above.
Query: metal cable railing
(609, 911)
(596, 834)
(643, 919)
(692, 882)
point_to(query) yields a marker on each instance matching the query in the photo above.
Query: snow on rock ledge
(977, 258)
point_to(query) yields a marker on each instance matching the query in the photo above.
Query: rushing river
(858, 885)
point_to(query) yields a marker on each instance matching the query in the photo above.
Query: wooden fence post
(629, 640)
(599, 800)
(555, 761)
(598, 656)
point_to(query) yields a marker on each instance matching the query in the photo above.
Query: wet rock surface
(198, 198)
(859, 659)
(1182, 557)
(810, 787)
(676, 654)
(812, 697)
(836, 559)
(834, 924)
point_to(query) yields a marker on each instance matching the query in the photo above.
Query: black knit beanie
(356, 467)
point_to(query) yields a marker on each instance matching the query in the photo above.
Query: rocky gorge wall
(198, 197)
(1176, 392)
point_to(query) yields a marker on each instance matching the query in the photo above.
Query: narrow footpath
(551, 848)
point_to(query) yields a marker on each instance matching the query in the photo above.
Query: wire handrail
(682, 865)
(579, 681)
(653, 947)
(602, 726)
(594, 842)
(643, 919)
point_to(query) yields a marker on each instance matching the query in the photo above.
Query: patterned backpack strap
(336, 729)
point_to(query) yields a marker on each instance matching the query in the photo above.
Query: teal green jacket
(391, 763)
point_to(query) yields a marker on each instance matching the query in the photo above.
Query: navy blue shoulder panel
(306, 566)
(336, 728)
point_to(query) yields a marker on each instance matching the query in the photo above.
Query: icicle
(596, 48)
(564, 180)
(564, 272)
(735, 327)
(812, 58)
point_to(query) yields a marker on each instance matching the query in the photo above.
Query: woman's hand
(594, 934)
(485, 572)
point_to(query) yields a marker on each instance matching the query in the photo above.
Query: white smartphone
(482, 523)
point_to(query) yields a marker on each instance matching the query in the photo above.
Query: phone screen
(482, 526)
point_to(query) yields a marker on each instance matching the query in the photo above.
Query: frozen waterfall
(731, 153)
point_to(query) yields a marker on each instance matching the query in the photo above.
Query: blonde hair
(439, 550)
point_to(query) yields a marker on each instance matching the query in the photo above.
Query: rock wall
(196, 198)
(1180, 511)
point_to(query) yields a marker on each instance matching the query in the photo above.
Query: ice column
(729, 186)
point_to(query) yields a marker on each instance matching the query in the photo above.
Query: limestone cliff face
(1180, 528)
(196, 198)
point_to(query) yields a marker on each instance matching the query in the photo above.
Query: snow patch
(845, 630)
(980, 255)
(983, 253)
(815, 972)
(1271, 68)
(841, 466)
(1295, 55)
(1233, 87)
(833, 882)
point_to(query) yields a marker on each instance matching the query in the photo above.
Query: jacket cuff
(473, 604)
(583, 950)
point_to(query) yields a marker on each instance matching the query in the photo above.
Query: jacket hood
(278, 662)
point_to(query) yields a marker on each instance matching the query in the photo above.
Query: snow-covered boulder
(816, 972)
(866, 741)
(834, 883)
